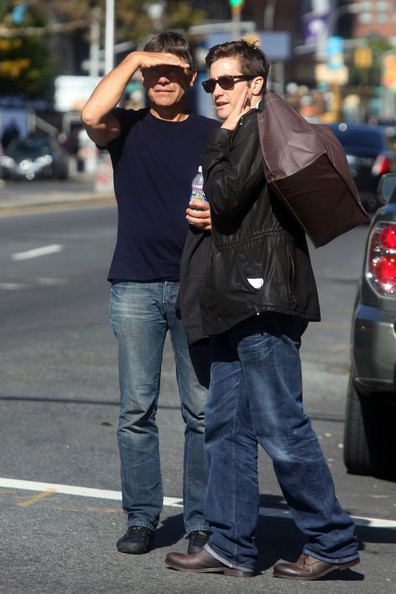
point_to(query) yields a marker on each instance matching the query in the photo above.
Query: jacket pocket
(251, 275)
(266, 269)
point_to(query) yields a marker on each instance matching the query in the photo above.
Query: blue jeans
(141, 314)
(255, 396)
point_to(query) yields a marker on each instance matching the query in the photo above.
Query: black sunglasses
(227, 82)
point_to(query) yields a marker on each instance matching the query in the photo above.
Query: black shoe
(197, 540)
(136, 541)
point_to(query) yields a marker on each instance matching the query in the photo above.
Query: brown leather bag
(306, 166)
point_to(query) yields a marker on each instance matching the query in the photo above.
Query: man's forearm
(109, 91)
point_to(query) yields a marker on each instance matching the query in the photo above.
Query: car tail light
(381, 262)
(381, 165)
(387, 237)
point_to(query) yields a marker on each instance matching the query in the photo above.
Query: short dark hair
(253, 60)
(173, 43)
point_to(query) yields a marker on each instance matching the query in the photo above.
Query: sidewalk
(36, 195)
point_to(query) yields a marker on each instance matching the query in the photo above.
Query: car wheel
(369, 435)
(63, 174)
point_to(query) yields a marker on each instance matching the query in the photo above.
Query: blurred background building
(332, 59)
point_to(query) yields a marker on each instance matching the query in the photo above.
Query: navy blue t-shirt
(154, 162)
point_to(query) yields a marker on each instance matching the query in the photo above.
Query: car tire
(369, 435)
(63, 174)
(357, 457)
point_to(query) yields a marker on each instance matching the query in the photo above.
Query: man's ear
(193, 77)
(257, 85)
(142, 79)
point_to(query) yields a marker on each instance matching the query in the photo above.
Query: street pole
(94, 49)
(330, 27)
(236, 22)
(156, 13)
(339, 12)
(269, 15)
(236, 7)
(109, 36)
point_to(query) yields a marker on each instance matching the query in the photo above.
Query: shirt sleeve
(127, 118)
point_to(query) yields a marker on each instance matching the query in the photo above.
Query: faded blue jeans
(255, 397)
(140, 315)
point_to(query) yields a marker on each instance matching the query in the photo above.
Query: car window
(30, 147)
(372, 139)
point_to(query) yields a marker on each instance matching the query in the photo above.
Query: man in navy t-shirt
(155, 153)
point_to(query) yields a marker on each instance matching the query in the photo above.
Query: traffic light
(236, 7)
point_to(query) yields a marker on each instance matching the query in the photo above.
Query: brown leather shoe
(308, 568)
(202, 562)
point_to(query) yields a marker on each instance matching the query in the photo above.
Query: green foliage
(26, 66)
(26, 70)
(132, 16)
(182, 16)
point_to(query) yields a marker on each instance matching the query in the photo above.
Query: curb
(62, 200)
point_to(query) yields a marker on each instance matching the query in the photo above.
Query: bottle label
(197, 194)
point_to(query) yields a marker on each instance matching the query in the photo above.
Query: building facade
(376, 18)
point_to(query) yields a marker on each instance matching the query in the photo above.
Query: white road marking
(50, 282)
(6, 483)
(37, 252)
(62, 489)
(11, 286)
(41, 282)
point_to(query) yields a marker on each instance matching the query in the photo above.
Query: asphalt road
(58, 415)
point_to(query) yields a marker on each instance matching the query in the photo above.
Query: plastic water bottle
(197, 192)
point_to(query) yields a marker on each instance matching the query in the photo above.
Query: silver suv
(370, 427)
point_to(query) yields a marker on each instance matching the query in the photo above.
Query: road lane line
(38, 252)
(51, 282)
(6, 483)
(62, 489)
(40, 282)
(11, 286)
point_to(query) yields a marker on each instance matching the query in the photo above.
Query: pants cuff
(197, 529)
(334, 561)
(226, 562)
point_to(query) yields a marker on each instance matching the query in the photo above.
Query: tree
(371, 74)
(26, 28)
(26, 69)
(132, 16)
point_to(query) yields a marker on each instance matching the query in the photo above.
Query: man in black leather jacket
(258, 296)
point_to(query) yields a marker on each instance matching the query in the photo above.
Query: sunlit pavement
(78, 190)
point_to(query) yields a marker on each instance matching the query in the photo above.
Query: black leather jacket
(259, 259)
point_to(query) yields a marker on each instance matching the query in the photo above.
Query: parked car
(34, 157)
(370, 154)
(370, 427)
